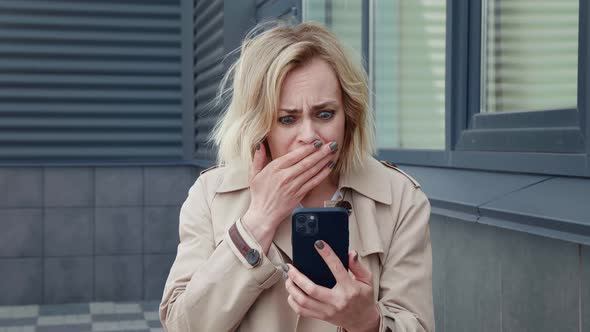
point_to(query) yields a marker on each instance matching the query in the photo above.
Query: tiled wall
(88, 233)
(490, 279)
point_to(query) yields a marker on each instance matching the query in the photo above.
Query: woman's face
(310, 109)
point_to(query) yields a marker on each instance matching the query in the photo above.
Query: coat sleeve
(210, 288)
(405, 292)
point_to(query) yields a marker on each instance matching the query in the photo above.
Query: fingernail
(331, 164)
(285, 275)
(317, 144)
(356, 256)
(285, 268)
(257, 146)
(319, 244)
(333, 146)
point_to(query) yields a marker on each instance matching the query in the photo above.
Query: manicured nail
(257, 146)
(356, 256)
(317, 144)
(333, 146)
(331, 164)
(285, 268)
(319, 244)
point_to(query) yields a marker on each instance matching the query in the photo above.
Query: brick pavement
(81, 317)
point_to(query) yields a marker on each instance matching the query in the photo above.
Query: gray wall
(81, 234)
(491, 279)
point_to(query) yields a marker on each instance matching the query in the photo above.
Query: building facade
(106, 106)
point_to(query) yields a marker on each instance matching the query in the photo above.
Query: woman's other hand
(277, 187)
(350, 304)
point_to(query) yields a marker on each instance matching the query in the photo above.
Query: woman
(298, 132)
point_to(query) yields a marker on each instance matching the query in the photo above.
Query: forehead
(311, 82)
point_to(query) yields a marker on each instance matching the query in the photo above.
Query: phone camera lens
(300, 220)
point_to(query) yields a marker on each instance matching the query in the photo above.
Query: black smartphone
(311, 224)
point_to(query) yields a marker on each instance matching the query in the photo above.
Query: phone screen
(311, 224)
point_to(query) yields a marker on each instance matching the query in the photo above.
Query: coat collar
(367, 180)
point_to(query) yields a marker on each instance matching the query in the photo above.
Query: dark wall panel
(90, 80)
(208, 70)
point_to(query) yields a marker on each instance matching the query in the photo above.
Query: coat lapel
(364, 231)
(367, 189)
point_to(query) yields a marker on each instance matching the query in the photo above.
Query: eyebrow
(314, 107)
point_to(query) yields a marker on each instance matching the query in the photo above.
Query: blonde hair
(267, 55)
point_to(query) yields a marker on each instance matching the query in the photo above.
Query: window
(480, 84)
(408, 76)
(529, 55)
(409, 73)
(342, 17)
(528, 73)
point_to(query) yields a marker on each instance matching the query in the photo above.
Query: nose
(307, 132)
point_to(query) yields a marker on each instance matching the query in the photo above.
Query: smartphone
(311, 224)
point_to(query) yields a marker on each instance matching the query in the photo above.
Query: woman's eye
(326, 115)
(287, 120)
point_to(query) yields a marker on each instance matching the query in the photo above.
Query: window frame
(462, 106)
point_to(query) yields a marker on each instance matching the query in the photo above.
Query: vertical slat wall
(90, 80)
(208, 71)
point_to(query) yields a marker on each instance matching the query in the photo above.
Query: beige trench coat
(213, 285)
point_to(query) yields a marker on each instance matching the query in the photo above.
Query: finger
(296, 155)
(301, 310)
(309, 162)
(315, 163)
(320, 293)
(301, 298)
(314, 181)
(358, 270)
(333, 262)
(259, 159)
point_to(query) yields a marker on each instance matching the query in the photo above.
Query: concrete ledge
(550, 206)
